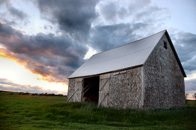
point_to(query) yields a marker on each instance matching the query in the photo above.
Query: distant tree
(186, 96)
(194, 96)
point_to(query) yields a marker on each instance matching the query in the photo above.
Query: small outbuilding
(145, 74)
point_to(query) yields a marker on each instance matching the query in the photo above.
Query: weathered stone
(163, 79)
(125, 89)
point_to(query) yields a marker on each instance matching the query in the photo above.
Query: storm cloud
(118, 24)
(17, 13)
(72, 16)
(11, 15)
(185, 44)
(46, 54)
(110, 36)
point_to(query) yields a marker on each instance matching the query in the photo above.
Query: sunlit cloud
(191, 76)
(10, 86)
(89, 53)
(18, 74)
(5, 54)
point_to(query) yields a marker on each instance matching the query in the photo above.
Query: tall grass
(42, 112)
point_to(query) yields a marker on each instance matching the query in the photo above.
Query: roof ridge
(130, 42)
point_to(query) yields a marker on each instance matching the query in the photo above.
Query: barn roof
(126, 56)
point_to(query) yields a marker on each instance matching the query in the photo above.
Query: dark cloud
(45, 54)
(73, 17)
(11, 15)
(124, 23)
(153, 14)
(17, 13)
(185, 44)
(113, 10)
(110, 11)
(110, 36)
(4, 2)
(6, 31)
(10, 86)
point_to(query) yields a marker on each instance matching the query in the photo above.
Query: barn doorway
(91, 90)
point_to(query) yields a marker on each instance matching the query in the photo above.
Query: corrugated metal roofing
(126, 56)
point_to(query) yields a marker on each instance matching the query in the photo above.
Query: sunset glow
(17, 73)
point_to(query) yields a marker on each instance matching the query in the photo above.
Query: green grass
(26, 112)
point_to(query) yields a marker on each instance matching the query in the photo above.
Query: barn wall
(75, 90)
(163, 79)
(125, 89)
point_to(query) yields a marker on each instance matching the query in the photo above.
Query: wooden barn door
(71, 90)
(78, 90)
(75, 90)
(104, 89)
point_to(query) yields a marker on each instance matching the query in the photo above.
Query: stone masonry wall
(163, 79)
(125, 89)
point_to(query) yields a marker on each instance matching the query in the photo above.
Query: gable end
(175, 54)
(173, 50)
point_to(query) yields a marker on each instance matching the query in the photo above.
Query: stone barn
(145, 74)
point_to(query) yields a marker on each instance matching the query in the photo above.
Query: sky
(43, 41)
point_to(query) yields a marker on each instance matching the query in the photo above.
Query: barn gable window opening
(91, 90)
(165, 44)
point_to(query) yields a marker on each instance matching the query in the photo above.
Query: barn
(145, 74)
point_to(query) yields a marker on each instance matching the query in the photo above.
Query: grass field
(27, 112)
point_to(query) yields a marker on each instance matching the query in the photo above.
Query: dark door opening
(91, 90)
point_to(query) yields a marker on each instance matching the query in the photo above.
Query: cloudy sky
(43, 41)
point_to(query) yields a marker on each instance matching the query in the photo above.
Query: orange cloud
(8, 55)
(18, 74)
(44, 77)
(51, 79)
(4, 54)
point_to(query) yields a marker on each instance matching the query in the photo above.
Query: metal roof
(122, 57)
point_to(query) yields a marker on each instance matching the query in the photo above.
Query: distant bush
(34, 94)
(49, 94)
(22, 93)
